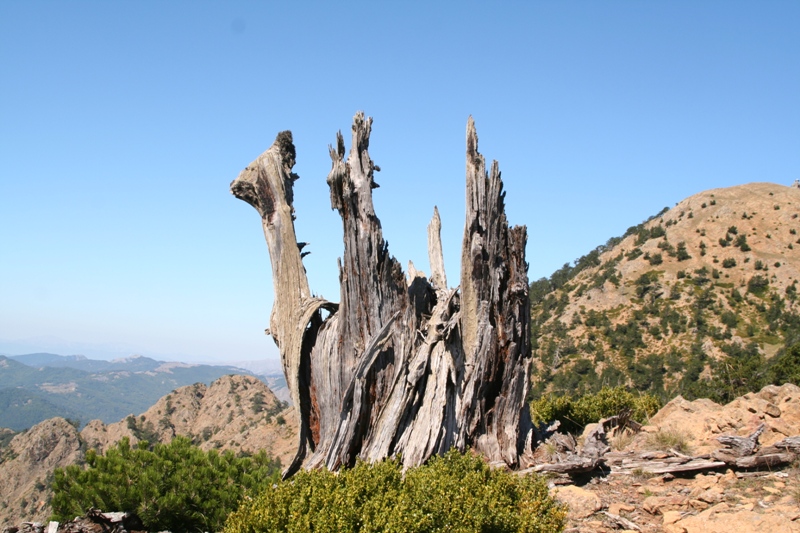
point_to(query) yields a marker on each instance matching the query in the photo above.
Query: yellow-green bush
(456, 492)
(576, 413)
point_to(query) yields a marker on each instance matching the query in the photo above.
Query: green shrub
(258, 402)
(742, 371)
(633, 254)
(728, 262)
(729, 318)
(791, 292)
(682, 253)
(741, 242)
(176, 487)
(786, 367)
(576, 413)
(701, 276)
(457, 492)
(647, 282)
(552, 407)
(757, 284)
(666, 247)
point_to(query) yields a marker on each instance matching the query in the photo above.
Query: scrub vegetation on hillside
(691, 302)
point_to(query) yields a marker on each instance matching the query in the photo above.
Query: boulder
(662, 504)
(701, 421)
(582, 503)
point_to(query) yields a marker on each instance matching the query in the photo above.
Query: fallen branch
(620, 522)
(741, 446)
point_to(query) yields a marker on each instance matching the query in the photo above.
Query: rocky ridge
(235, 412)
(27, 465)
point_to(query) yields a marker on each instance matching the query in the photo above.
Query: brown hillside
(236, 413)
(239, 413)
(680, 284)
(706, 218)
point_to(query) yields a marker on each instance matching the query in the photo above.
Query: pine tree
(176, 486)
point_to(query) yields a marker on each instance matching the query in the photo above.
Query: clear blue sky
(123, 123)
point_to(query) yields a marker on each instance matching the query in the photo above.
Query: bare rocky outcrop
(702, 421)
(236, 412)
(715, 502)
(724, 518)
(736, 469)
(27, 465)
(401, 365)
(685, 437)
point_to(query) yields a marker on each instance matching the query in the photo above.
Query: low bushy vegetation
(176, 487)
(456, 492)
(576, 412)
(743, 370)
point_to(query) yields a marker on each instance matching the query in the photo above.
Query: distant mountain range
(38, 386)
(135, 363)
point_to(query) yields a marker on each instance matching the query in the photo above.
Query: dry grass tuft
(622, 440)
(669, 439)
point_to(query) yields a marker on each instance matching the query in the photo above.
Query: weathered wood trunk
(402, 365)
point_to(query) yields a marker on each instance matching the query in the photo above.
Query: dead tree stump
(402, 365)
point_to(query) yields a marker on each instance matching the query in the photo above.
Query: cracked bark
(402, 365)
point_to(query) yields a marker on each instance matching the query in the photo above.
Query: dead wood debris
(739, 453)
(94, 521)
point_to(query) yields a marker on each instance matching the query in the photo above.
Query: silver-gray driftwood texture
(403, 365)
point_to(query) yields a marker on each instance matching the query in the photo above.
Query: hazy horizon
(111, 352)
(124, 123)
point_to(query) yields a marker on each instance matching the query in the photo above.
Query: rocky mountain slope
(235, 412)
(27, 463)
(720, 500)
(703, 293)
(709, 282)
